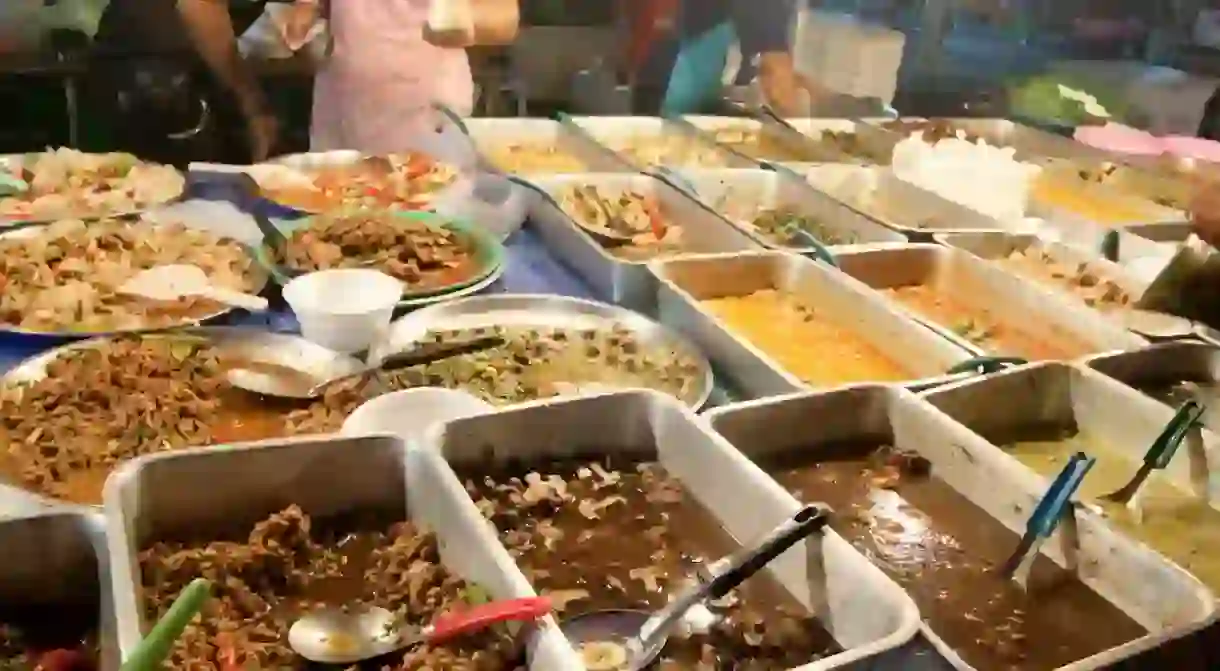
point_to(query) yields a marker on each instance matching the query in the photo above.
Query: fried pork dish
(596, 535)
(66, 276)
(538, 363)
(126, 397)
(289, 563)
(534, 157)
(424, 256)
(65, 183)
(398, 181)
(628, 214)
(781, 226)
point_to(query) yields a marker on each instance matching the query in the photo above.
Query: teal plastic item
(698, 71)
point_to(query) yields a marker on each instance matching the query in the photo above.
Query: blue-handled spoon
(1047, 515)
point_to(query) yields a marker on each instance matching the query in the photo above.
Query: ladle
(1156, 325)
(293, 383)
(602, 234)
(350, 635)
(629, 640)
(175, 281)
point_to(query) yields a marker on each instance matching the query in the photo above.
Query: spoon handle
(237, 299)
(433, 352)
(477, 618)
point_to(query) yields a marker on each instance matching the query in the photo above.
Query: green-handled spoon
(156, 646)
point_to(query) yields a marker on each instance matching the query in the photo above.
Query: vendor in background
(386, 68)
(762, 32)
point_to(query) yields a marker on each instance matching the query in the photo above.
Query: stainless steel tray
(1030, 143)
(737, 195)
(611, 132)
(544, 311)
(877, 193)
(258, 274)
(709, 126)
(1164, 363)
(972, 282)
(865, 611)
(998, 246)
(686, 281)
(1164, 598)
(487, 133)
(58, 557)
(287, 350)
(627, 283)
(1080, 230)
(1163, 233)
(196, 492)
(871, 139)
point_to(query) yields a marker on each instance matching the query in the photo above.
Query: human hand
(1205, 211)
(297, 20)
(262, 131)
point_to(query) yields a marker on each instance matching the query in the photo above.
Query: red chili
(655, 219)
(63, 660)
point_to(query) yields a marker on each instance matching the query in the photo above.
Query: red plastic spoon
(347, 636)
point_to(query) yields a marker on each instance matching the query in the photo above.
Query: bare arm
(211, 32)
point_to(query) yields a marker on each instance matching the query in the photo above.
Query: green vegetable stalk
(156, 646)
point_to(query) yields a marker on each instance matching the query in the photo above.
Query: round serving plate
(8, 222)
(544, 311)
(488, 250)
(46, 338)
(286, 350)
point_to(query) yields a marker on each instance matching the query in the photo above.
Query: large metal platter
(6, 160)
(259, 275)
(544, 311)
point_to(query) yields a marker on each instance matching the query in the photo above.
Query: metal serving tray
(1079, 230)
(612, 131)
(874, 141)
(59, 557)
(816, 150)
(1030, 143)
(196, 492)
(1151, 590)
(973, 282)
(488, 133)
(543, 311)
(904, 207)
(627, 283)
(278, 348)
(1164, 363)
(865, 611)
(737, 195)
(686, 281)
(998, 246)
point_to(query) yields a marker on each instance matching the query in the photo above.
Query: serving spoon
(349, 635)
(630, 640)
(294, 383)
(179, 280)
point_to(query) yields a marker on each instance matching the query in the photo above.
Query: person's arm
(211, 32)
(763, 30)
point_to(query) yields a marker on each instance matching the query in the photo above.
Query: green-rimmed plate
(489, 253)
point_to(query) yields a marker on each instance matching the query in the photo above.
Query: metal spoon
(1046, 517)
(276, 380)
(1156, 325)
(175, 281)
(603, 234)
(629, 640)
(347, 636)
(1159, 454)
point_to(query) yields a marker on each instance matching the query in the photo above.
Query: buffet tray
(912, 211)
(487, 133)
(871, 138)
(260, 276)
(627, 283)
(607, 130)
(1029, 142)
(182, 494)
(730, 193)
(59, 557)
(1079, 230)
(685, 281)
(865, 611)
(542, 311)
(1164, 598)
(974, 282)
(1164, 362)
(708, 126)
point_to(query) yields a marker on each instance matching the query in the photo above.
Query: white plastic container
(346, 310)
(408, 413)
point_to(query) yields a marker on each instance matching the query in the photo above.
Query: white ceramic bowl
(407, 413)
(346, 310)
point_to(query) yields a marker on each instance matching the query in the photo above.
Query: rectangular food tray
(734, 194)
(684, 282)
(193, 492)
(627, 283)
(872, 139)
(816, 150)
(1030, 143)
(487, 133)
(865, 611)
(607, 130)
(1164, 362)
(973, 282)
(1164, 598)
